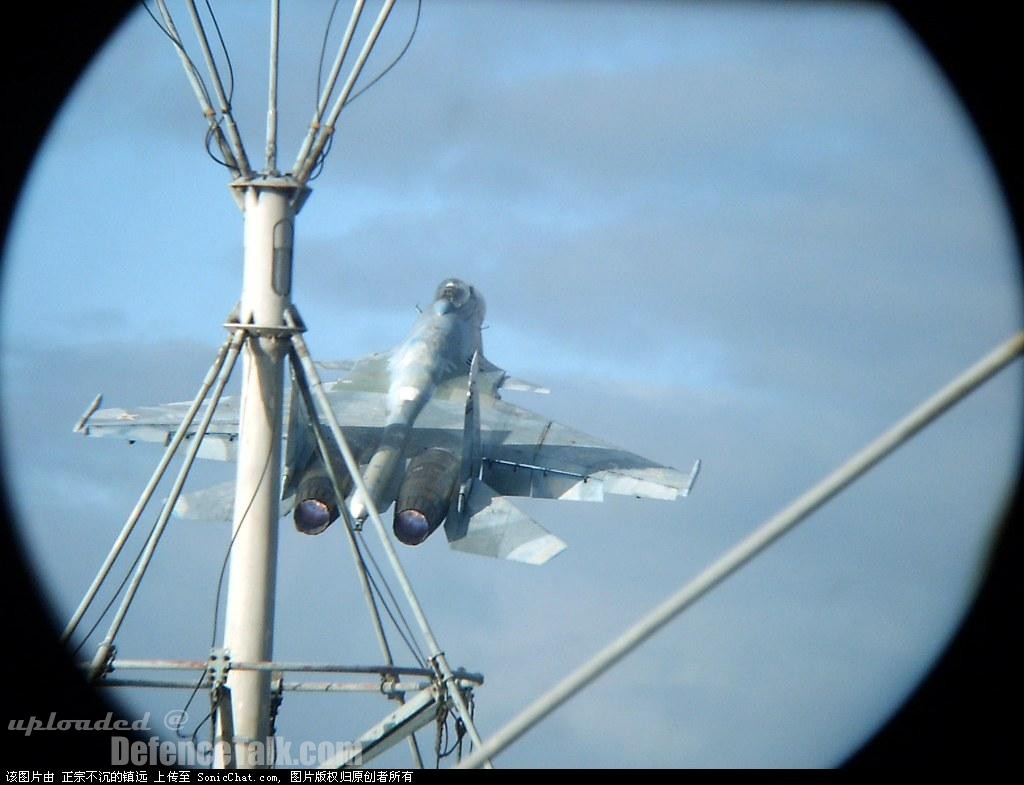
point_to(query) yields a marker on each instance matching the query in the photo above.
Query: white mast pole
(244, 731)
(249, 631)
(269, 203)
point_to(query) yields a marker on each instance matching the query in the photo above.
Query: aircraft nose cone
(312, 516)
(441, 307)
(411, 527)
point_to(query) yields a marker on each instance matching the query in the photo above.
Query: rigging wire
(220, 583)
(373, 602)
(407, 635)
(220, 588)
(215, 702)
(227, 57)
(241, 521)
(210, 133)
(374, 592)
(442, 736)
(211, 129)
(117, 592)
(382, 74)
(214, 128)
(317, 169)
(323, 53)
(176, 40)
(410, 640)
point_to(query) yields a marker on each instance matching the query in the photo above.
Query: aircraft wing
(524, 453)
(360, 414)
(372, 374)
(367, 374)
(159, 424)
(527, 454)
(521, 453)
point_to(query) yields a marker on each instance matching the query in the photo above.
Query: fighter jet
(433, 436)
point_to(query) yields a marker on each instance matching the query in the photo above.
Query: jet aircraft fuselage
(431, 433)
(440, 346)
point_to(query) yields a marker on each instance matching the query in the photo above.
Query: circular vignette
(40, 67)
(953, 715)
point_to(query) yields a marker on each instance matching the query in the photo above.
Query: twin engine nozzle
(316, 507)
(424, 497)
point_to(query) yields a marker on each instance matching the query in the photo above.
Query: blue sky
(753, 235)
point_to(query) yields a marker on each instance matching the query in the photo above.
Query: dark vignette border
(964, 711)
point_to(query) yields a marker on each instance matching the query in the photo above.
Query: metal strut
(437, 658)
(327, 454)
(321, 107)
(150, 488)
(309, 156)
(225, 105)
(199, 89)
(244, 698)
(103, 653)
(753, 544)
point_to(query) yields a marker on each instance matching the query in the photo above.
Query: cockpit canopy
(455, 291)
(456, 295)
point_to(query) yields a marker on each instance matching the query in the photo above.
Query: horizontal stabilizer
(519, 385)
(493, 526)
(216, 503)
(209, 504)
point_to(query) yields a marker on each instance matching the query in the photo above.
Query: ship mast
(266, 330)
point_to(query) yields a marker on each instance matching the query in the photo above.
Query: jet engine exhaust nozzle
(425, 495)
(312, 516)
(412, 527)
(315, 507)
